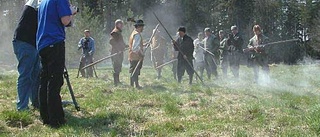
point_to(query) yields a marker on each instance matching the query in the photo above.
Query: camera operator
(53, 17)
(87, 45)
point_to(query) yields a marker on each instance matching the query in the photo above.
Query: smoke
(8, 19)
(169, 14)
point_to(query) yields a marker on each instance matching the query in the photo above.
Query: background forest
(280, 20)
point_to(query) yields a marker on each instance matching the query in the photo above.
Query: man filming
(87, 45)
(53, 17)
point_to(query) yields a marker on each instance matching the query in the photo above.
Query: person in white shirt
(199, 54)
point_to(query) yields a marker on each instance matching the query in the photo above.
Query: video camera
(86, 43)
(77, 9)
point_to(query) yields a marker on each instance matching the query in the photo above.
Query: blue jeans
(29, 70)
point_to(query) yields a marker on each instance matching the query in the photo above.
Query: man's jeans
(29, 69)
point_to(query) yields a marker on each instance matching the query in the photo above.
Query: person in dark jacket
(185, 46)
(235, 44)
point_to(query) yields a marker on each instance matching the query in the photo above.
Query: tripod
(94, 71)
(66, 76)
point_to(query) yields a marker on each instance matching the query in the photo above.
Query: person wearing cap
(185, 46)
(24, 46)
(235, 43)
(117, 46)
(136, 53)
(53, 17)
(211, 45)
(224, 53)
(199, 54)
(86, 43)
(257, 54)
(158, 52)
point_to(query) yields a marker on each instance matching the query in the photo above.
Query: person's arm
(66, 20)
(136, 43)
(92, 47)
(113, 39)
(65, 11)
(80, 44)
(176, 44)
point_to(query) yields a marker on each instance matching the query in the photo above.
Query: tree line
(280, 20)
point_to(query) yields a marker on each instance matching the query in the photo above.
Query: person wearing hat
(258, 55)
(158, 51)
(136, 54)
(224, 53)
(184, 44)
(87, 45)
(117, 46)
(24, 46)
(235, 43)
(211, 44)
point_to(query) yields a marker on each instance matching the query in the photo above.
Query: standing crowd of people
(39, 41)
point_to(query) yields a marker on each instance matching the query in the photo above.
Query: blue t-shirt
(50, 28)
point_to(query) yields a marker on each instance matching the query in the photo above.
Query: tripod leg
(94, 70)
(66, 76)
(78, 71)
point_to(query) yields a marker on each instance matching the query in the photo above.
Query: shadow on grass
(108, 123)
(155, 88)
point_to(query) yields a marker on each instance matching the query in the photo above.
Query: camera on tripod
(86, 43)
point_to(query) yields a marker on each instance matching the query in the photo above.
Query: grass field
(287, 105)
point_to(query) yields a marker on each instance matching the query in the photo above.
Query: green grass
(288, 105)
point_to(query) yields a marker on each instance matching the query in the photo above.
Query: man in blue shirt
(53, 16)
(87, 45)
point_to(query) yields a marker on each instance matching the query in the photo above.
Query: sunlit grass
(287, 105)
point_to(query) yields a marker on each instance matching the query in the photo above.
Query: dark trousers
(210, 65)
(52, 59)
(263, 62)
(117, 63)
(234, 60)
(86, 60)
(183, 66)
(224, 64)
(117, 66)
(134, 79)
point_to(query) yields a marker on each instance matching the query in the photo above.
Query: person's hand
(73, 9)
(174, 42)
(251, 48)
(185, 57)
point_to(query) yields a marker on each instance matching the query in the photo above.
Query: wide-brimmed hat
(139, 23)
